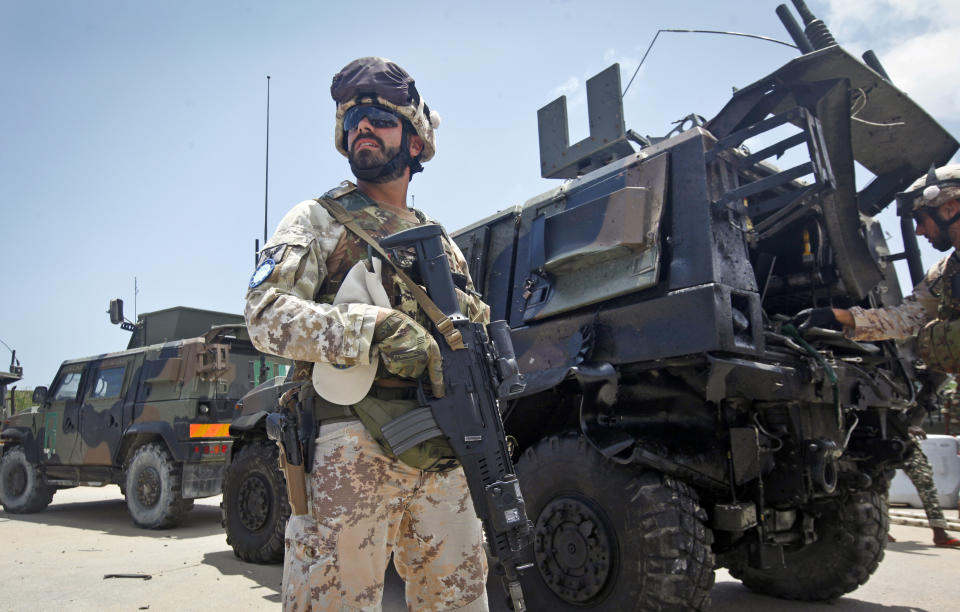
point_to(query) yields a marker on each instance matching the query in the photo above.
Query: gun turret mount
(607, 141)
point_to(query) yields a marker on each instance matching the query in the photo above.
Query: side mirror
(39, 396)
(116, 311)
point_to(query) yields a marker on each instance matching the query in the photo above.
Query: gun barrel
(817, 32)
(794, 29)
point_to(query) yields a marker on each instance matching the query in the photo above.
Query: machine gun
(475, 375)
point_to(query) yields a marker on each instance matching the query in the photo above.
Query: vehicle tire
(609, 536)
(255, 507)
(22, 486)
(153, 487)
(851, 538)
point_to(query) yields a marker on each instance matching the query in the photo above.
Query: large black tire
(255, 507)
(22, 486)
(609, 536)
(153, 488)
(851, 538)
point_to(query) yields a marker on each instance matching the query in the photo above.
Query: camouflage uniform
(901, 322)
(364, 503)
(906, 319)
(919, 471)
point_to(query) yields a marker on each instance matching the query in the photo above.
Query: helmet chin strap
(392, 168)
(943, 242)
(944, 224)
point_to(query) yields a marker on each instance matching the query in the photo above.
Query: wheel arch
(141, 434)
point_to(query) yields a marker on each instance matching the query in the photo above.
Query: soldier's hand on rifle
(917, 432)
(407, 348)
(815, 317)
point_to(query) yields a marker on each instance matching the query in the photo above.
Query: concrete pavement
(57, 559)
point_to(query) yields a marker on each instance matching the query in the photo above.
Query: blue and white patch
(262, 273)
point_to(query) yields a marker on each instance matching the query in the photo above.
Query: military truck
(152, 419)
(673, 421)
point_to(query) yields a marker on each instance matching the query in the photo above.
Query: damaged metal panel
(582, 253)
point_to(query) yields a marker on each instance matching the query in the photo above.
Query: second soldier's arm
(901, 321)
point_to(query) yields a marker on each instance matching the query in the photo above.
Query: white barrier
(942, 453)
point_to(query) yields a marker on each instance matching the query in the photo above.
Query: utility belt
(381, 406)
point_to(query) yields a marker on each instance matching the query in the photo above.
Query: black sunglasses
(378, 118)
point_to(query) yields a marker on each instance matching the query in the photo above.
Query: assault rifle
(474, 376)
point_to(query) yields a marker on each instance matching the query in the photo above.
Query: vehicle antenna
(266, 185)
(676, 31)
(266, 175)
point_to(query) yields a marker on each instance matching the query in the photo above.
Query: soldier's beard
(942, 242)
(378, 165)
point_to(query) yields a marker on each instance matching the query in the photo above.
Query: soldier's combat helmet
(376, 81)
(937, 186)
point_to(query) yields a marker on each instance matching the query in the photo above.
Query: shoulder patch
(262, 273)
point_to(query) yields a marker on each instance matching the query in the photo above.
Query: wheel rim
(254, 497)
(16, 480)
(148, 487)
(572, 549)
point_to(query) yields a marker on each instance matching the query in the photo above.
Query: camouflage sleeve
(903, 321)
(282, 317)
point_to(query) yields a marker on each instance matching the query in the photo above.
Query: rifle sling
(443, 323)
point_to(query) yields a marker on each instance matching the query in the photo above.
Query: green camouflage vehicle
(152, 419)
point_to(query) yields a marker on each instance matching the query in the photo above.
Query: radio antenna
(266, 175)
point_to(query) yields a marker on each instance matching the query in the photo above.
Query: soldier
(365, 502)
(931, 312)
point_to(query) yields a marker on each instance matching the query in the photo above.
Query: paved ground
(57, 559)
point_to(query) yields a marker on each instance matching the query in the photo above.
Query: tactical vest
(434, 454)
(938, 342)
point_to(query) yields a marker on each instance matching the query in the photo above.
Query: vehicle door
(101, 414)
(61, 418)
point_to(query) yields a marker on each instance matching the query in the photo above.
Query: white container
(941, 451)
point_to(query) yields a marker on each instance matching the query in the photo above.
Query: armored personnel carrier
(673, 422)
(152, 419)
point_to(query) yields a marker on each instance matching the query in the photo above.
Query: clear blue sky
(133, 133)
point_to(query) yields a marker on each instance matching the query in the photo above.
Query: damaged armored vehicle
(152, 419)
(673, 421)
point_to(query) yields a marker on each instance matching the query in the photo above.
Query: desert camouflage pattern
(407, 348)
(938, 343)
(365, 505)
(908, 318)
(290, 313)
(918, 469)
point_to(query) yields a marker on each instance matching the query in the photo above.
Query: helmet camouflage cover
(936, 187)
(378, 81)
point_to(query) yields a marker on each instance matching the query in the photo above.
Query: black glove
(815, 317)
